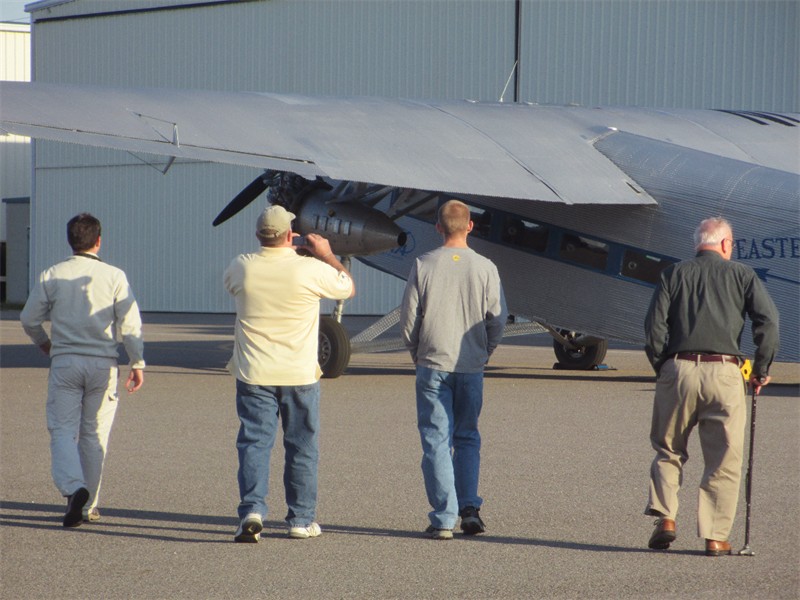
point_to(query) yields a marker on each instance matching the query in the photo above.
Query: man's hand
(759, 382)
(46, 348)
(135, 380)
(318, 246)
(320, 249)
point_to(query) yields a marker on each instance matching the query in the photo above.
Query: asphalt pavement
(564, 480)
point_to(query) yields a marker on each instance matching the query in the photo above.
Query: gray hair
(712, 231)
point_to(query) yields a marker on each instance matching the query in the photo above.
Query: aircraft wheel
(581, 358)
(334, 348)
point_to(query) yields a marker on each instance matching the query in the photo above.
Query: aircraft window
(428, 211)
(643, 266)
(481, 221)
(525, 233)
(584, 251)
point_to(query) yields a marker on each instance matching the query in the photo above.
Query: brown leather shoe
(717, 548)
(663, 535)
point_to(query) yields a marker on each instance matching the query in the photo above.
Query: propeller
(242, 199)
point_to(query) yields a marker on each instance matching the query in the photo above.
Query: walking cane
(746, 551)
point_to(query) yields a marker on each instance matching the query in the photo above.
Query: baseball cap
(274, 221)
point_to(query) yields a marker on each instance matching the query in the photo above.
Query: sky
(13, 10)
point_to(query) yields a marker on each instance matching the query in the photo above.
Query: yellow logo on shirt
(456, 257)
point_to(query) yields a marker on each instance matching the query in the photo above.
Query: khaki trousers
(710, 395)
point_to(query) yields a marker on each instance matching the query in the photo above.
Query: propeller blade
(243, 198)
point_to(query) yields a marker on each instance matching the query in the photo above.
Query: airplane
(580, 208)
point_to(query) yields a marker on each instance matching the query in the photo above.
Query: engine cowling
(353, 229)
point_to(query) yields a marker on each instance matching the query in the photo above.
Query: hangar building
(15, 173)
(157, 227)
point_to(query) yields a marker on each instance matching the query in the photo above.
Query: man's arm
(35, 312)
(129, 324)
(656, 330)
(231, 278)
(333, 261)
(496, 315)
(320, 248)
(766, 337)
(409, 314)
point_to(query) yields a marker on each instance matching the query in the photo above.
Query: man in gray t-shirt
(452, 319)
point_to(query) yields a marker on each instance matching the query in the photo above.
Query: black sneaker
(75, 503)
(471, 522)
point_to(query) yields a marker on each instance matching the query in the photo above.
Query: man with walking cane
(693, 329)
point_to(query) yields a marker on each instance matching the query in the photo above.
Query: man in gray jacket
(88, 303)
(452, 319)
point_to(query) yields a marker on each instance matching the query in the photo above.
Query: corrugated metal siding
(679, 53)
(15, 50)
(64, 9)
(412, 49)
(421, 49)
(688, 54)
(15, 151)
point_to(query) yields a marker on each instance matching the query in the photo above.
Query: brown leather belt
(694, 357)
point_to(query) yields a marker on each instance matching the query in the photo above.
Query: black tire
(334, 348)
(582, 358)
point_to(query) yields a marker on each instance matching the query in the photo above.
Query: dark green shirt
(700, 306)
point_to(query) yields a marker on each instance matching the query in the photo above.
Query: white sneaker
(92, 515)
(249, 530)
(302, 533)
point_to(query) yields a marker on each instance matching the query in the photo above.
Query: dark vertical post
(517, 48)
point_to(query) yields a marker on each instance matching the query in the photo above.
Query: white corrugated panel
(15, 52)
(15, 151)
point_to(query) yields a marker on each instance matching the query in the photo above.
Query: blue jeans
(448, 407)
(259, 407)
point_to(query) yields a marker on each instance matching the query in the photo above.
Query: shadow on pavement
(48, 516)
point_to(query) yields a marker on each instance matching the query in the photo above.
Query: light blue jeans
(259, 407)
(448, 407)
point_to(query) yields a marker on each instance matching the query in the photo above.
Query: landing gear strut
(334, 343)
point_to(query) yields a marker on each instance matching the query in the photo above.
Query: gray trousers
(710, 395)
(81, 404)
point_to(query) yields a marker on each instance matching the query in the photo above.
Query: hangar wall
(15, 151)
(15, 173)
(157, 227)
(740, 54)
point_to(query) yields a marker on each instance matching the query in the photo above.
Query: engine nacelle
(353, 229)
